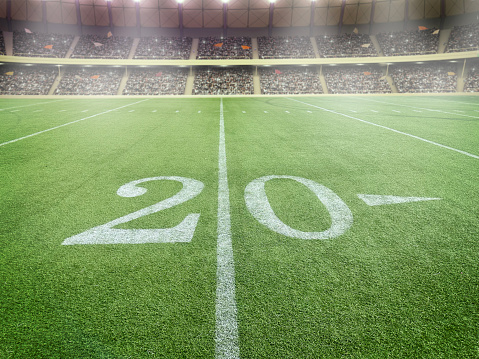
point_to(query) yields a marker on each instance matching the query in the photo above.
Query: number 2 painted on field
(183, 232)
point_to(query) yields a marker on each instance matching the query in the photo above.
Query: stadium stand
(172, 48)
(90, 81)
(464, 38)
(223, 81)
(424, 78)
(415, 42)
(218, 48)
(157, 81)
(290, 81)
(285, 47)
(26, 80)
(41, 45)
(471, 83)
(355, 80)
(102, 47)
(345, 45)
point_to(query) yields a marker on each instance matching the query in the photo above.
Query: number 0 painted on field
(258, 204)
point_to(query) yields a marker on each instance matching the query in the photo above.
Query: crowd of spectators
(156, 81)
(173, 48)
(424, 78)
(413, 42)
(3, 51)
(26, 80)
(285, 47)
(217, 48)
(36, 44)
(90, 81)
(290, 81)
(355, 80)
(223, 81)
(464, 38)
(471, 82)
(102, 47)
(345, 45)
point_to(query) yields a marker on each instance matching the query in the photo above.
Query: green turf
(402, 282)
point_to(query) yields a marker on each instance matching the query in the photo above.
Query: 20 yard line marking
(226, 324)
(390, 129)
(69, 123)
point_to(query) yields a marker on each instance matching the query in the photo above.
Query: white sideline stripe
(226, 324)
(390, 129)
(69, 123)
(421, 108)
(33, 104)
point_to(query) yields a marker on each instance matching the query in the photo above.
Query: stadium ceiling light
(225, 1)
(179, 1)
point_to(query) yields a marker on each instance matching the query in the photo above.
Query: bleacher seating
(156, 81)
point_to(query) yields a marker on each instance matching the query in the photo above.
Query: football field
(281, 227)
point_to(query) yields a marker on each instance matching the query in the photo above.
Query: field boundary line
(389, 129)
(33, 104)
(423, 108)
(69, 123)
(226, 323)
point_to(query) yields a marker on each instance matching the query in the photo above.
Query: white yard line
(390, 129)
(69, 123)
(226, 324)
(421, 108)
(33, 104)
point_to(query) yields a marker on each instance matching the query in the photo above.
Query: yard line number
(256, 201)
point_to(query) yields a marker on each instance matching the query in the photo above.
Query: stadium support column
(371, 17)
(80, 30)
(443, 14)
(225, 18)
(271, 11)
(138, 19)
(110, 15)
(180, 17)
(311, 18)
(44, 17)
(406, 14)
(341, 16)
(9, 15)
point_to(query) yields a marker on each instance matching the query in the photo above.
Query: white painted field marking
(154, 111)
(15, 111)
(390, 129)
(244, 111)
(62, 111)
(309, 111)
(37, 111)
(286, 111)
(226, 324)
(374, 111)
(421, 108)
(84, 111)
(416, 111)
(183, 232)
(258, 205)
(396, 111)
(33, 104)
(353, 111)
(70, 123)
(265, 111)
(379, 200)
(131, 111)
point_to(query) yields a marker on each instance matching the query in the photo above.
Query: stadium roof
(239, 13)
